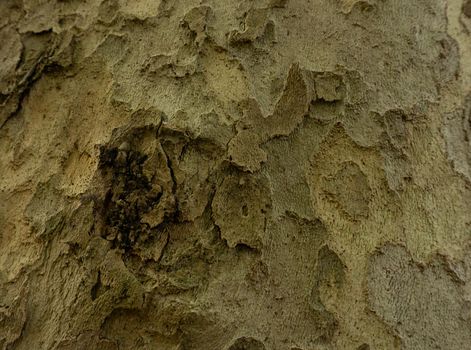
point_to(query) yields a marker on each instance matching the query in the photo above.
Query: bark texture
(221, 174)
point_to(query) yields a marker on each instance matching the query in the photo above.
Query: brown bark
(220, 174)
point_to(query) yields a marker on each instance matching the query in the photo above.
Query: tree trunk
(220, 174)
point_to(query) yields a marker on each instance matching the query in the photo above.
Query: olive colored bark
(228, 175)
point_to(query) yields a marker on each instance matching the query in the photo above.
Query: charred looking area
(130, 195)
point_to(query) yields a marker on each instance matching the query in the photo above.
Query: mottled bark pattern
(235, 174)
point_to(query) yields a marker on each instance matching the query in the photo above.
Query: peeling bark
(277, 174)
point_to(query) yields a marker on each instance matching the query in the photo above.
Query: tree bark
(220, 174)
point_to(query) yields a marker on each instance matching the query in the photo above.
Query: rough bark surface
(220, 174)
